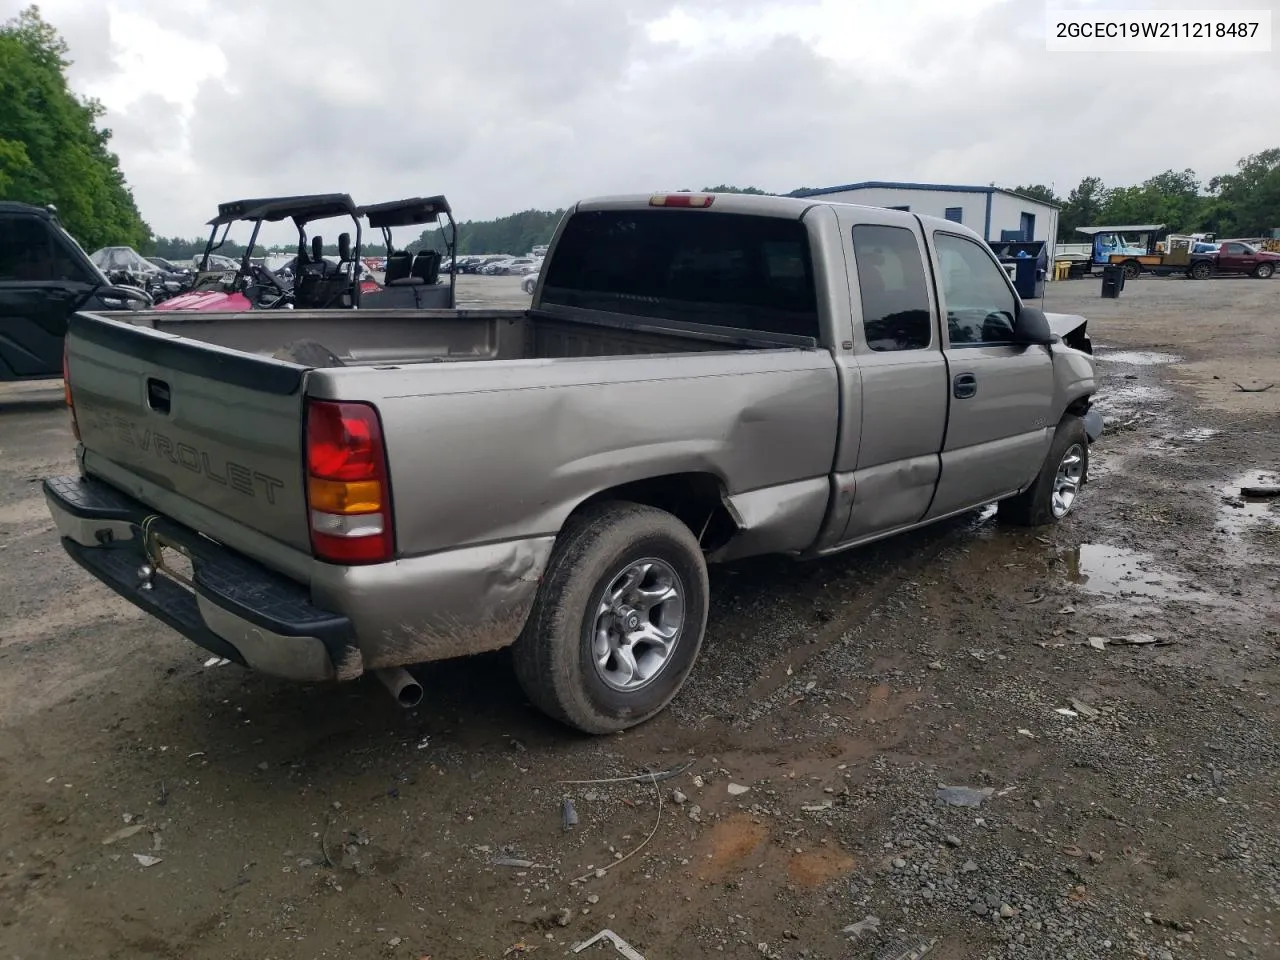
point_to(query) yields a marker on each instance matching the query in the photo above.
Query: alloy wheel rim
(639, 619)
(1067, 480)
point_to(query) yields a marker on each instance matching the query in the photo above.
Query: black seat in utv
(318, 279)
(399, 268)
(426, 266)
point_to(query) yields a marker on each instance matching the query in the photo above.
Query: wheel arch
(698, 500)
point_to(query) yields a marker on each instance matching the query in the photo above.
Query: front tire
(618, 621)
(1056, 490)
(1263, 270)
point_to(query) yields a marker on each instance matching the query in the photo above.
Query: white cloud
(508, 105)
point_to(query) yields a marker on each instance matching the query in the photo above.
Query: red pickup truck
(1233, 256)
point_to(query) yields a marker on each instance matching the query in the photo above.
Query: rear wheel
(1263, 270)
(1057, 487)
(618, 621)
(1201, 270)
(1132, 269)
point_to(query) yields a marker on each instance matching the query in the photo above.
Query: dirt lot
(1132, 808)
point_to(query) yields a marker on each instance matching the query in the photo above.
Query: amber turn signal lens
(345, 497)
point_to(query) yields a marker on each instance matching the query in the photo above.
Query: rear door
(1001, 394)
(41, 284)
(902, 371)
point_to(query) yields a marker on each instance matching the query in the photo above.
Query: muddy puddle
(1124, 400)
(1180, 440)
(1244, 518)
(1137, 358)
(1108, 570)
(1112, 574)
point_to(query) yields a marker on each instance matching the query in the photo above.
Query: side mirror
(1031, 327)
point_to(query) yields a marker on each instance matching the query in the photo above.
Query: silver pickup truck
(699, 378)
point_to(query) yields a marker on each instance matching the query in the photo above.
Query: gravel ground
(1123, 789)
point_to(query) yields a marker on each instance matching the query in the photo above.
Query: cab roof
(315, 206)
(403, 213)
(14, 206)
(1125, 228)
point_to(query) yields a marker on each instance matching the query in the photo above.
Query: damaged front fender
(1093, 424)
(1071, 329)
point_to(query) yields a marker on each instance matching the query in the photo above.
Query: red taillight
(681, 200)
(348, 496)
(66, 390)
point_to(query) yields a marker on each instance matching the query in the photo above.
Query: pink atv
(310, 281)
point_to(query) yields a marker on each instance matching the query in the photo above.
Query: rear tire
(1200, 271)
(1056, 490)
(601, 664)
(1263, 271)
(1132, 269)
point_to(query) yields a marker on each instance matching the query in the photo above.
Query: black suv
(44, 278)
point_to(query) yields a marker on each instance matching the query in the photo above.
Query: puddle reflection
(1105, 569)
(1241, 516)
(1139, 358)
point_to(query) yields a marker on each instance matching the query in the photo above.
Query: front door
(41, 284)
(1237, 256)
(1001, 394)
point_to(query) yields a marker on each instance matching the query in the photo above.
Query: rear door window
(892, 286)
(701, 266)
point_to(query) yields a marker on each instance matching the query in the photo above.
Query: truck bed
(396, 337)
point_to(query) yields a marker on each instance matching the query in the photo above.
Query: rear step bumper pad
(238, 609)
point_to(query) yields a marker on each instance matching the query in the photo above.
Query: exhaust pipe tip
(410, 695)
(403, 687)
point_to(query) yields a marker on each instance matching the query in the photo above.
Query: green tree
(515, 234)
(1082, 208)
(52, 149)
(1127, 205)
(1038, 191)
(1175, 199)
(1247, 202)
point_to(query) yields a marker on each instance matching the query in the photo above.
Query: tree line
(1244, 203)
(53, 151)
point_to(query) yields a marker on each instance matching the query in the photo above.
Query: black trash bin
(1112, 280)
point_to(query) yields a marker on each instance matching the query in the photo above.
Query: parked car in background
(511, 267)
(1237, 257)
(174, 269)
(216, 262)
(480, 264)
(780, 376)
(45, 277)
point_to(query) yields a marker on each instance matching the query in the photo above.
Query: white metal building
(995, 213)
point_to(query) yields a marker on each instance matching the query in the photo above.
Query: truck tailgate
(211, 426)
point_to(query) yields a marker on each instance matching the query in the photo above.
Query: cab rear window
(700, 266)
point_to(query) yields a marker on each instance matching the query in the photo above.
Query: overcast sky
(504, 105)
